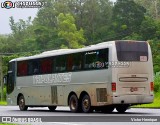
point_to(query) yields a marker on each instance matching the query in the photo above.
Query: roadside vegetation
(7, 124)
(156, 103)
(3, 103)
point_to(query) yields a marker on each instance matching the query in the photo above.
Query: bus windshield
(132, 51)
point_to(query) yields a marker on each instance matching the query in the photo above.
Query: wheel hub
(86, 103)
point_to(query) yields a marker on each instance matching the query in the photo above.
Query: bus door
(11, 77)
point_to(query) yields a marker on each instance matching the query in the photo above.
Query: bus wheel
(107, 109)
(52, 108)
(21, 103)
(73, 103)
(86, 104)
(122, 108)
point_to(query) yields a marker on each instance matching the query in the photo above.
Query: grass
(155, 104)
(3, 103)
(7, 124)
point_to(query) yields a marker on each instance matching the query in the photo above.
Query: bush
(157, 83)
(4, 93)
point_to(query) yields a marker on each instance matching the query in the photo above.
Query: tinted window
(74, 61)
(132, 51)
(22, 68)
(60, 65)
(46, 65)
(33, 67)
(96, 59)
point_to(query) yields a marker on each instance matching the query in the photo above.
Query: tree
(148, 29)
(95, 18)
(127, 17)
(68, 31)
(155, 46)
(152, 7)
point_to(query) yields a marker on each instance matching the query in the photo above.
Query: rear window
(132, 51)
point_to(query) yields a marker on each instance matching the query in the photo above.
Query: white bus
(108, 75)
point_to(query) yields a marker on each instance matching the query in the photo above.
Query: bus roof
(69, 51)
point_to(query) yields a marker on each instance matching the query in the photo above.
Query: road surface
(63, 116)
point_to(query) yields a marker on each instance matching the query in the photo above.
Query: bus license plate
(133, 89)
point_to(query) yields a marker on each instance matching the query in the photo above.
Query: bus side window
(36, 67)
(102, 57)
(90, 58)
(33, 67)
(77, 61)
(96, 59)
(30, 67)
(69, 62)
(60, 65)
(22, 68)
(46, 66)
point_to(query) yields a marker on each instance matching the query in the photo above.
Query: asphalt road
(63, 116)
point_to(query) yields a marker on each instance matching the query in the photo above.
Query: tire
(86, 104)
(52, 108)
(107, 109)
(73, 103)
(122, 108)
(21, 103)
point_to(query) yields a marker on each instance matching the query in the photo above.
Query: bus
(101, 77)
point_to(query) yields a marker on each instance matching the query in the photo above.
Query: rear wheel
(122, 108)
(73, 103)
(86, 104)
(52, 108)
(21, 103)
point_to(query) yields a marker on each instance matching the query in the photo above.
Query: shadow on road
(69, 112)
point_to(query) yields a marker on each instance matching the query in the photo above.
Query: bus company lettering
(52, 78)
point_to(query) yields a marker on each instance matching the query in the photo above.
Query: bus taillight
(152, 86)
(113, 87)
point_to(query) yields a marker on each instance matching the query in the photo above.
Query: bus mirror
(5, 79)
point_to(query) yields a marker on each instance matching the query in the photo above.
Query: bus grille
(54, 94)
(101, 94)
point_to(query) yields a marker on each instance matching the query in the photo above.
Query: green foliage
(155, 46)
(157, 83)
(155, 104)
(68, 31)
(127, 17)
(76, 23)
(133, 36)
(7, 124)
(4, 93)
(152, 7)
(148, 29)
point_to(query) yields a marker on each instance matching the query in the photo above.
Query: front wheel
(21, 103)
(86, 104)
